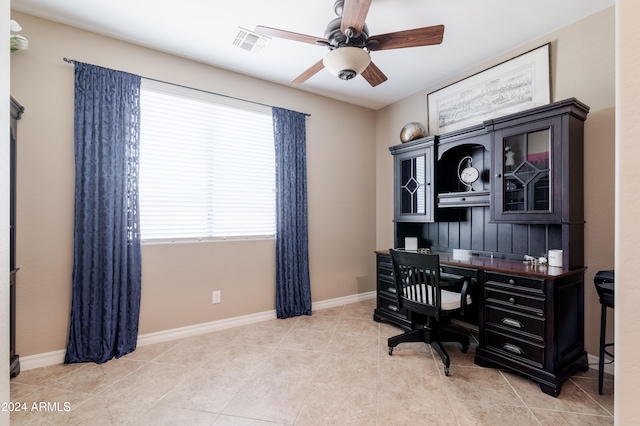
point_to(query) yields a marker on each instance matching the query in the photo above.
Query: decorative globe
(412, 131)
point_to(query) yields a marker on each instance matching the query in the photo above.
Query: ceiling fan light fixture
(346, 62)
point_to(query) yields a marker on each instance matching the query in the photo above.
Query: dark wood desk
(530, 317)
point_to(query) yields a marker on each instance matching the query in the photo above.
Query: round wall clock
(467, 174)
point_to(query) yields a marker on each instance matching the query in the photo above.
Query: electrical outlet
(216, 297)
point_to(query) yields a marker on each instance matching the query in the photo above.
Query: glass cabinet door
(412, 183)
(526, 172)
(525, 161)
(413, 177)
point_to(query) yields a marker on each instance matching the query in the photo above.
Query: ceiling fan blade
(373, 75)
(313, 70)
(354, 13)
(274, 32)
(426, 36)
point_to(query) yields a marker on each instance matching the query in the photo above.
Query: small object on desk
(411, 243)
(542, 260)
(555, 258)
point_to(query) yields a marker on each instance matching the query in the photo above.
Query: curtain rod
(73, 61)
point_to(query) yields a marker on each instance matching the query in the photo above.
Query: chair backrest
(417, 278)
(605, 285)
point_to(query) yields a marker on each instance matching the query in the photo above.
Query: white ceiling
(203, 30)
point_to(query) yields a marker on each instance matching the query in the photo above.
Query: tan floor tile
(486, 385)
(317, 323)
(357, 326)
(555, 418)
(305, 339)
(279, 323)
(471, 413)
(329, 368)
(223, 420)
(331, 404)
(590, 386)
(571, 398)
(263, 336)
(160, 415)
(291, 363)
(349, 369)
(270, 398)
(414, 408)
(353, 343)
(19, 391)
(241, 357)
(362, 310)
(43, 376)
(149, 352)
(94, 378)
(392, 374)
(190, 352)
(148, 384)
(208, 389)
(335, 311)
(100, 411)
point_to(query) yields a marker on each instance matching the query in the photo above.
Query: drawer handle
(512, 348)
(512, 300)
(511, 322)
(393, 308)
(512, 281)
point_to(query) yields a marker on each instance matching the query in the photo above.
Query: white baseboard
(57, 357)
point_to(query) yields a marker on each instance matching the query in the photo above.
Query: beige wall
(178, 278)
(627, 366)
(582, 66)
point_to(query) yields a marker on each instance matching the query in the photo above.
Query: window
(207, 166)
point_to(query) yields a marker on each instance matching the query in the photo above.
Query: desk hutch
(527, 199)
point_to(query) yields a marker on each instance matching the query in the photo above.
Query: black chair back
(417, 278)
(605, 285)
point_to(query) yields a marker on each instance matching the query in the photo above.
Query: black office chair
(429, 302)
(605, 283)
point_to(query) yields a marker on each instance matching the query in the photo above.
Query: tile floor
(331, 368)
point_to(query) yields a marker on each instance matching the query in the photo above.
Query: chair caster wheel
(390, 351)
(464, 348)
(446, 371)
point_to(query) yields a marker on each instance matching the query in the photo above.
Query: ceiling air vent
(248, 40)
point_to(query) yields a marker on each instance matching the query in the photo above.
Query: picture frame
(515, 85)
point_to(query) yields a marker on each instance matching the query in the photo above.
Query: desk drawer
(385, 270)
(514, 281)
(515, 348)
(513, 321)
(527, 303)
(387, 285)
(390, 305)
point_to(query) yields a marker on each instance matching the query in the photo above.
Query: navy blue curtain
(106, 279)
(293, 287)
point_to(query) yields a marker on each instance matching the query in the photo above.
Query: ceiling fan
(349, 44)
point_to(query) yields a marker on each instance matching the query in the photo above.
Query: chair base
(433, 336)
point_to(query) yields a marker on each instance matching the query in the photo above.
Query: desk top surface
(508, 266)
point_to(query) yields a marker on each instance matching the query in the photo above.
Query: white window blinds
(207, 166)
